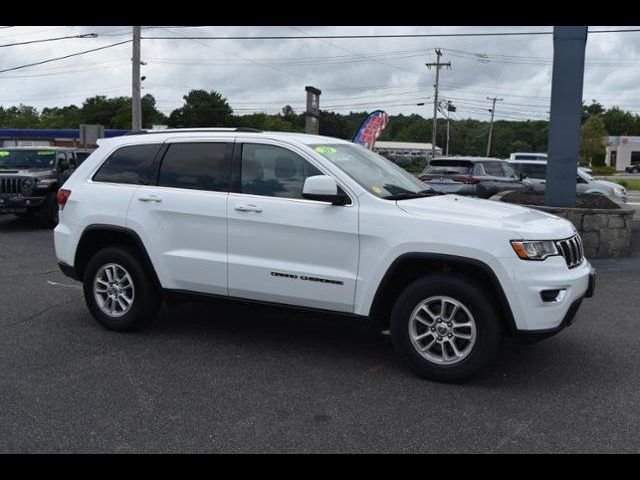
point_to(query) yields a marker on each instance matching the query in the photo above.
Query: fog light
(553, 296)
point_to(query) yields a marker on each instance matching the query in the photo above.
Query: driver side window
(273, 171)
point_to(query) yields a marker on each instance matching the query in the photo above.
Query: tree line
(203, 108)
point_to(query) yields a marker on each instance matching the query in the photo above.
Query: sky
(353, 74)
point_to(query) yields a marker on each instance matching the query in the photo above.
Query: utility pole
(438, 65)
(447, 115)
(136, 102)
(493, 111)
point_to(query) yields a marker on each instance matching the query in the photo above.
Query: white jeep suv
(312, 222)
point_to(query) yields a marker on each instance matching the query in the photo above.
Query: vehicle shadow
(11, 223)
(344, 342)
(273, 330)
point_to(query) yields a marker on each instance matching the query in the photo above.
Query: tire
(48, 213)
(471, 300)
(144, 296)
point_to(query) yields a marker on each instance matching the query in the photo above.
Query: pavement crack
(34, 315)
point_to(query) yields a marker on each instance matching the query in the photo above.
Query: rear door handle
(150, 198)
(242, 207)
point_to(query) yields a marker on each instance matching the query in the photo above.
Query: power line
(85, 35)
(329, 37)
(399, 35)
(64, 57)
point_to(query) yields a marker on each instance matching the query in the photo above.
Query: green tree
(619, 122)
(592, 142)
(334, 125)
(202, 109)
(22, 116)
(591, 110)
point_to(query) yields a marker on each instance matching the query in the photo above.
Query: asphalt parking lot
(209, 378)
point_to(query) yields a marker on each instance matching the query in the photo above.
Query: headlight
(44, 184)
(617, 191)
(537, 250)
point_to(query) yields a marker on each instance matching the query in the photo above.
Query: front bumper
(533, 314)
(19, 204)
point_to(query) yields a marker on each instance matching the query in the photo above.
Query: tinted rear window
(196, 166)
(440, 167)
(128, 165)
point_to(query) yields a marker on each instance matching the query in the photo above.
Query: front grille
(11, 185)
(572, 251)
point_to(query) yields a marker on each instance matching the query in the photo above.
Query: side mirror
(521, 176)
(323, 188)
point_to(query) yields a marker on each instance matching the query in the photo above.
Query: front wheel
(119, 290)
(445, 327)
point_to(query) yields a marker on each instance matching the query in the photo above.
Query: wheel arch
(410, 266)
(96, 237)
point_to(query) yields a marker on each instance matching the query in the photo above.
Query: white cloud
(353, 74)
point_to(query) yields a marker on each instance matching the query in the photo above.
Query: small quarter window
(128, 165)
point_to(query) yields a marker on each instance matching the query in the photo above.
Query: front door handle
(150, 198)
(242, 207)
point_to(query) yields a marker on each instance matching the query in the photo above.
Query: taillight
(425, 178)
(63, 196)
(467, 180)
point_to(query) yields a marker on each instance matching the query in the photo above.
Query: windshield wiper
(409, 195)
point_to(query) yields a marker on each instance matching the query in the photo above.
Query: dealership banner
(371, 129)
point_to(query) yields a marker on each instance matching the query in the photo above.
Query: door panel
(295, 252)
(184, 225)
(283, 248)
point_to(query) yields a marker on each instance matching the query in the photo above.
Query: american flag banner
(371, 129)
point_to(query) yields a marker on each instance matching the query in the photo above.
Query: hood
(522, 222)
(606, 183)
(38, 173)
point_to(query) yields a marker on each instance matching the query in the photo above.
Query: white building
(405, 152)
(622, 152)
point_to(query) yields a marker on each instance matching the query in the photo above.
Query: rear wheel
(445, 327)
(119, 291)
(48, 213)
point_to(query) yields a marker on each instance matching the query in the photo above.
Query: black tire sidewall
(48, 213)
(481, 305)
(146, 301)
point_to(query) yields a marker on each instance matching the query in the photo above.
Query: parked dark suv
(30, 178)
(477, 176)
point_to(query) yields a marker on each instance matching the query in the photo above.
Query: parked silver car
(536, 172)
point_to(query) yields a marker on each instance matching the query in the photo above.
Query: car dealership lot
(240, 379)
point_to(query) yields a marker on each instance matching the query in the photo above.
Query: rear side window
(197, 166)
(129, 165)
(493, 169)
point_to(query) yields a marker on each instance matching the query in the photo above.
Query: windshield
(39, 158)
(585, 175)
(373, 172)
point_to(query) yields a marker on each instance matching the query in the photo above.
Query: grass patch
(603, 170)
(628, 184)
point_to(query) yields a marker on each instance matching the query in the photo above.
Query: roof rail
(196, 130)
